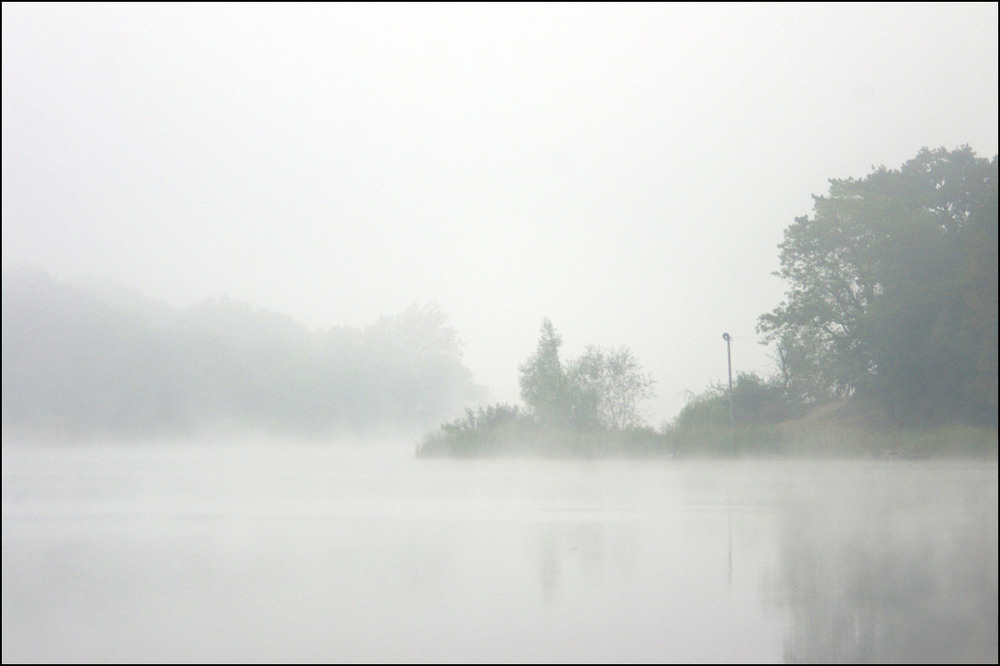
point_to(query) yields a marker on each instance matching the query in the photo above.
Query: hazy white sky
(625, 170)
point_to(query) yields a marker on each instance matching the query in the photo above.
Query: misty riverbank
(787, 441)
(792, 441)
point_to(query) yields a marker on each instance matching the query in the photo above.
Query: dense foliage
(754, 399)
(95, 362)
(893, 292)
(886, 342)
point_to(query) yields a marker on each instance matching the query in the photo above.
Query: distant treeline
(99, 362)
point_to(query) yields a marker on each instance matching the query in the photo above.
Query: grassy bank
(833, 440)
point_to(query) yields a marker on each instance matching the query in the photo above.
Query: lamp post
(729, 361)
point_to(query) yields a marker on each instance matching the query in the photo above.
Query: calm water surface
(297, 553)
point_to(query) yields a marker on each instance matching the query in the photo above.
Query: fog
(254, 255)
(297, 553)
(625, 171)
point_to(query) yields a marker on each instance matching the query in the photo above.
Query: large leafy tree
(893, 290)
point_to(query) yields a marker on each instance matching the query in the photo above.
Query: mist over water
(333, 220)
(322, 553)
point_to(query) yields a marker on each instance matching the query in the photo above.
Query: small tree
(609, 386)
(544, 386)
(601, 389)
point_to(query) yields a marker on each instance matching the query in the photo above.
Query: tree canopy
(610, 387)
(893, 291)
(601, 389)
(545, 388)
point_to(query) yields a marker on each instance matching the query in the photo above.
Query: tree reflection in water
(875, 572)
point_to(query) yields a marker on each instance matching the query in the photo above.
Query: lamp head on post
(729, 363)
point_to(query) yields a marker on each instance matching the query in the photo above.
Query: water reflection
(576, 554)
(893, 565)
(174, 555)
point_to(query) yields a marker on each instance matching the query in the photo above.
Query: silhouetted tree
(893, 290)
(545, 388)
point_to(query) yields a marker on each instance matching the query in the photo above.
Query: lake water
(305, 553)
